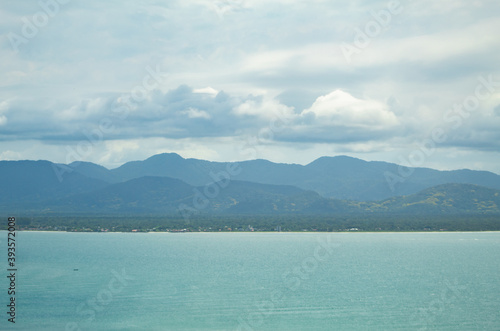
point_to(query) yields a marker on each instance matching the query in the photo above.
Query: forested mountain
(339, 177)
(170, 184)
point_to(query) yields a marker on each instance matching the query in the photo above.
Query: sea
(252, 281)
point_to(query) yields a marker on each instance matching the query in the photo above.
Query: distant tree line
(260, 223)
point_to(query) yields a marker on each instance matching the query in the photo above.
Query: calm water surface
(254, 281)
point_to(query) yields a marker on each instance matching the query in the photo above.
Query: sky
(410, 82)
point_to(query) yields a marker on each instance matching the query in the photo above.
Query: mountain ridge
(163, 182)
(340, 177)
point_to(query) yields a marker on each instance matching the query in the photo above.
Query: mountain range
(169, 184)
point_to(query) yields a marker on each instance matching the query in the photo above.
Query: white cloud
(4, 106)
(10, 156)
(429, 47)
(196, 113)
(207, 90)
(264, 108)
(339, 108)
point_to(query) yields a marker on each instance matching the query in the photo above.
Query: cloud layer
(203, 78)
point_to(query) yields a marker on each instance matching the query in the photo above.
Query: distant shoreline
(251, 232)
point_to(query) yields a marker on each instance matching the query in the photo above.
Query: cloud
(436, 46)
(178, 113)
(339, 117)
(10, 155)
(208, 90)
(195, 113)
(185, 112)
(4, 106)
(234, 67)
(497, 110)
(262, 108)
(340, 108)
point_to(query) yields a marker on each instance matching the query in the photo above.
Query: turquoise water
(254, 281)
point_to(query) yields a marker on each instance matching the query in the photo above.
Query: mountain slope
(143, 195)
(163, 195)
(448, 198)
(28, 183)
(92, 170)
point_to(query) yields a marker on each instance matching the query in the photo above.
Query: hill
(449, 199)
(162, 195)
(168, 196)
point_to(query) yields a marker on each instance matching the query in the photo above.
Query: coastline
(250, 232)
